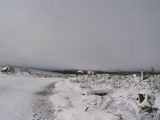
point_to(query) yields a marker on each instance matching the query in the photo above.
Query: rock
(145, 99)
(7, 69)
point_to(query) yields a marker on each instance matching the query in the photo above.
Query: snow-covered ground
(20, 98)
(46, 96)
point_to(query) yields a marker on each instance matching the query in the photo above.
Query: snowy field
(36, 95)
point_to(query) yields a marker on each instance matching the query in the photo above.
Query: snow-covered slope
(79, 98)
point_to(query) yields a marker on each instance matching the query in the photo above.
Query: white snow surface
(17, 96)
(29, 97)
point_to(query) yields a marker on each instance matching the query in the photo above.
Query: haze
(80, 34)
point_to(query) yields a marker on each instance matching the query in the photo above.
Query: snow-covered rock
(145, 98)
(7, 69)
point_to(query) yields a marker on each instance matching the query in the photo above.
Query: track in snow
(42, 108)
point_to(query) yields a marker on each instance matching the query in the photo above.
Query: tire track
(42, 108)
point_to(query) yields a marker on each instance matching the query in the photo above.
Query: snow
(76, 114)
(37, 95)
(75, 98)
(17, 95)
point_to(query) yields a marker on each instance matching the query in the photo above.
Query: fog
(80, 34)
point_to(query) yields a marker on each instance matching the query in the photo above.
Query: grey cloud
(80, 34)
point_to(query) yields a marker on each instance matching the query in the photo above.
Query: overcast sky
(80, 34)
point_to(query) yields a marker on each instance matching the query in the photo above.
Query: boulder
(7, 69)
(145, 99)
